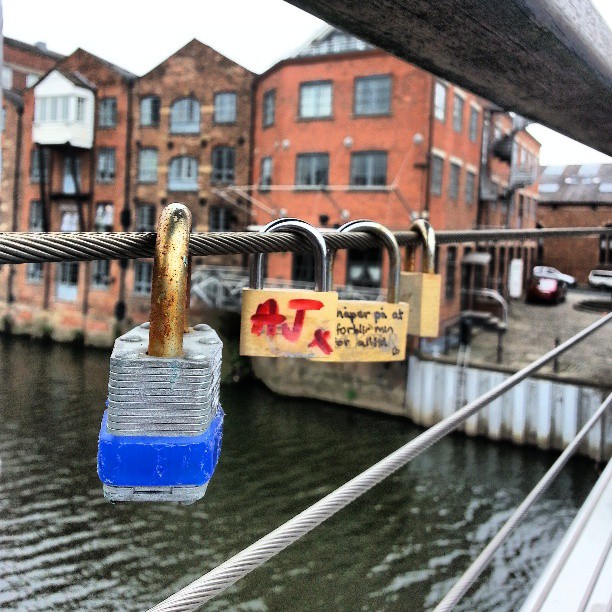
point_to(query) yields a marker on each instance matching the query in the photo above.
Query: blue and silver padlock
(161, 433)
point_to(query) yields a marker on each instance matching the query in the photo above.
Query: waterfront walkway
(532, 330)
(579, 575)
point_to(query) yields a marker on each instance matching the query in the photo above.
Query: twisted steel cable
(32, 247)
(480, 563)
(217, 580)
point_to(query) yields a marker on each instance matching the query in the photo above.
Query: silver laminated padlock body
(161, 433)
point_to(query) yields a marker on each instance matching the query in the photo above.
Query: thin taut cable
(217, 580)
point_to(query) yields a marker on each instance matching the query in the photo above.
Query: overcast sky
(139, 34)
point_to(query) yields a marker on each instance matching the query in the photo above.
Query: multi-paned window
(440, 101)
(265, 174)
(225, 107)
(147, 165)
(34, 271)
(219, 219)
(451, 271)
(470, 184)
(183, 174)
(35, 165)
(316, 100)
(369, 169)
(143, 274)
(52, 109)
(149, 111)
(453, 186)
(312, 170)
(185, 116)
(457, 113)
(223, 165)
(473, 123)
(107, 112)
(437, 171)
(105, 170)
(80, 109)
(103, 221)
(100, 274)
(269, 104)
(145, 218)
(372, 95)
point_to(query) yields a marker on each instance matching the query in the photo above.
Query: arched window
(185, 116)
(183, 174)
(223, 165)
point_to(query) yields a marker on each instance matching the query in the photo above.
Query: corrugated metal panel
(537, 412)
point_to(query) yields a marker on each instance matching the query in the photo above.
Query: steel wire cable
(36, 247)
(217, 580)
(470, 575)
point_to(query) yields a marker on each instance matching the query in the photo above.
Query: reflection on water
(400, 547)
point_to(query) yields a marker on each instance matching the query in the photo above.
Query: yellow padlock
(289, 322)
(370, 331)
(422, 290)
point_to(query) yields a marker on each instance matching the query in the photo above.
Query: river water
(400, 547)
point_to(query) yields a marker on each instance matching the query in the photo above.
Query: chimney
(41, 45)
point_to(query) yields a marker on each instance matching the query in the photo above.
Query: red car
(542, 289)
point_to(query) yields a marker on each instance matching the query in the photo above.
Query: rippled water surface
(400, 547)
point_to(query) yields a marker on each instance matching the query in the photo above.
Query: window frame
(229, 92)
(454, 186)
(142, 288)
(111, 152)
(433, 192)
(224, 179)
(34, 174)
(112, 100)
(373, 77)
(148, 181)
(317, 82)
(471, 174)
(143, 99)
(363, 155)
(270, 94)
(192, 187)
(265, 186)
(444, 88)
(100, 282)
(458, 117)
(190, 126)
(139, 226)
(473, 125)
(223, 213)
(309, 187)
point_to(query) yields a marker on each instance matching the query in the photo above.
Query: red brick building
(343, 130)
(576, 196)
(24, 64)
(191, 135)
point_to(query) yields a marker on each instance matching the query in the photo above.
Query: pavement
(532, 329)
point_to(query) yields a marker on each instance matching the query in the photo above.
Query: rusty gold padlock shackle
(170, 282)
(314, 237)
(388, 240)
(428, 238)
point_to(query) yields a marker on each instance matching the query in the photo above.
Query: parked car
(550, 272)
(601, 279)
(544, 289)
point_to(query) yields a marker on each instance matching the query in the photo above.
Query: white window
(473, 124)
(316, 100)
(103, 221)
(368, 169)
(7, 77)
(149, 111)
(107, 113)
(105, 171)
(147, 165)
(372, 95)
(143, 273)
(269, 102)
(265, 175)
(80, 109)
(145, 218)
(183, 174)
(52, 109)
(453, 187)
(225, 107)
(440, 101)
(185, 117)
(457, 113)
(437, 169)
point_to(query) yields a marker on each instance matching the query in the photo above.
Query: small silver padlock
(161, 433)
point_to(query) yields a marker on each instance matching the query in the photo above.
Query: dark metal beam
(549, 60)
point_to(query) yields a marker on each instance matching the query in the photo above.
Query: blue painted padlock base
(159, 461)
